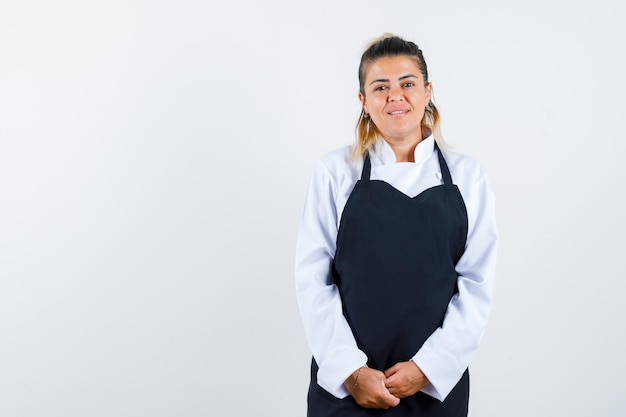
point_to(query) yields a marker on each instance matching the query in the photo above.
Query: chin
(404, 133)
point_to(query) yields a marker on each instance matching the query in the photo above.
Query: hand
(370, 390)
(405, 379)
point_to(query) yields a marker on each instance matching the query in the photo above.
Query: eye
(380, 88)
(409, 84)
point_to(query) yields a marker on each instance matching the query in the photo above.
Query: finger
(399, 392)
(392, 400)
(391, 371)
(388, 397)
(392, 381)
(397, 388)
(396, 392)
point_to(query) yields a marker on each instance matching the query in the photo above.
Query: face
(395, 97)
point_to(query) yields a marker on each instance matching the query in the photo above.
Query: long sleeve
(447, 352)
(329, 335)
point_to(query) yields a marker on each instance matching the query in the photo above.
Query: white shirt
(447, 352)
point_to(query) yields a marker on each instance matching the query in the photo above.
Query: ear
(362, 100)
(429, 92)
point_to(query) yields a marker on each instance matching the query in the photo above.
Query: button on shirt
(447, 352)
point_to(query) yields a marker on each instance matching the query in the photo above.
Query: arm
(328, 333)
(448, 351)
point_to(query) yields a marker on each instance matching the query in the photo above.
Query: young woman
(395, 255)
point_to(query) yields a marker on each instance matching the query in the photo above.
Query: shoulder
(462, 167)
(335, 173)
(339, 164)
(468, 174)
(339, 160)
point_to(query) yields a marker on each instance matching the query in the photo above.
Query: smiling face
(395, 98)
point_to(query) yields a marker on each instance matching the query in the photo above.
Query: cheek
(377, 103)
(421, 99)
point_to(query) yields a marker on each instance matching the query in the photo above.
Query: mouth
(397, 112)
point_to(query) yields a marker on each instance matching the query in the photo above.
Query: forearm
(447, 353)
(329, 336)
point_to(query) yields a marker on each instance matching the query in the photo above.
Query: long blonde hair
(390, 45)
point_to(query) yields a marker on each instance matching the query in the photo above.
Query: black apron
(395, 270)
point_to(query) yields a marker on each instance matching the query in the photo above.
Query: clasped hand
(376, 389)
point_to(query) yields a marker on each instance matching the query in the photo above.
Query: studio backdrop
(154, 158)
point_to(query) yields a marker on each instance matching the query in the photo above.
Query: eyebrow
(386, 80)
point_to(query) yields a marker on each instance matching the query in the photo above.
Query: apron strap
(445, 171)
(367, 167)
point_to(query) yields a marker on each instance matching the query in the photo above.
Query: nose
(395, 93)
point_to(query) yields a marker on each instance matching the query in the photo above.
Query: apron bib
(395, 270)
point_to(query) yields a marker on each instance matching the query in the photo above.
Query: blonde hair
(390, 45)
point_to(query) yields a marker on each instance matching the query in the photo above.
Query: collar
(383, 154)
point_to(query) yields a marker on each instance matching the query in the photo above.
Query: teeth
(397, 112)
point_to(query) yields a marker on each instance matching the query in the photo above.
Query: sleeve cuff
(443, 371)
(337, 367)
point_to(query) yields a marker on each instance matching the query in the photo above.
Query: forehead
(392, 67)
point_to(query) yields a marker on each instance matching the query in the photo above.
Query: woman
(395, 254)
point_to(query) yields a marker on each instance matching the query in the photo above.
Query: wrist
(353, 380)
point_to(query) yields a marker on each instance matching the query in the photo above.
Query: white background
(154, 157)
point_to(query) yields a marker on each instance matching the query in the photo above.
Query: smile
(393, 113)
